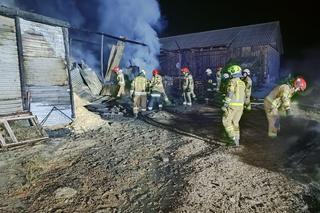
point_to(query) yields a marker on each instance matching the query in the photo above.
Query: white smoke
(136, 20)
(8, 3)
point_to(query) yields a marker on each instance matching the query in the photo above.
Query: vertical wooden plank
(21, 65)
(102, 56)
(10, 132)
(2, 140)
(67, 54)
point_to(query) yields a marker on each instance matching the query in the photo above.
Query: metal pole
(101, 54)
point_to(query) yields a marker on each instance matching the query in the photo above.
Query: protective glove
(224, 109)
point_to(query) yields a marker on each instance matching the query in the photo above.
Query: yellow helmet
(234, 69)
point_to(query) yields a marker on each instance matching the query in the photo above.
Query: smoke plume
(134, 19)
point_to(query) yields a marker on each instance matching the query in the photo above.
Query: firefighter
(247, 80)
(279, 99)
(156, 91)
(139, 93)
(187, 87)
(210, 85)
(120, 81)
(233, 104)
(218, 78)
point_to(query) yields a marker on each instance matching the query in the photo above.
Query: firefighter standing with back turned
(233, 104)
(210, 86)
(218, 78)
(187, 87)
(248, 81)
(279, 99)
(120, 81)
(156, 90)
(139, 93)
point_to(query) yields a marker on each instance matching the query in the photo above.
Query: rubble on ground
(85, 120)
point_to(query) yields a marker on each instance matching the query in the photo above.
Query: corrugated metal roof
(251, 35)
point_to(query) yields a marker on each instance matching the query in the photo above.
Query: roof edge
(15, 12)
(230, 28)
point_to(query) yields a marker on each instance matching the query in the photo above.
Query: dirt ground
(133, 166)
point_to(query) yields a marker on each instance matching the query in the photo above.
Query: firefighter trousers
(155, 99)
(273, 118)
(187, 98)
(139, 103)
(230, 121)
(121, 90)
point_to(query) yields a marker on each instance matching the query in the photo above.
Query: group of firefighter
(235, 90)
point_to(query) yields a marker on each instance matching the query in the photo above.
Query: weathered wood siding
(273, 64)
(46, 74)
(10, 88)
(198, 60)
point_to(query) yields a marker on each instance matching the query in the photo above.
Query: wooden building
(257, 47)
(34, 71)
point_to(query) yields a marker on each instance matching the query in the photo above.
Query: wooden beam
(10, 132)
(11, 12)
(21, 65)
(2, 140)
(102, 56)
(67, 54)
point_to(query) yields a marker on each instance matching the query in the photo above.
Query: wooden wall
(10, 89)
(46, 74)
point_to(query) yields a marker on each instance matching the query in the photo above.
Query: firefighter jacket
(187, 83)
(280, 97)
(247, 80)
(218, 76)
(235, 93)
(139, 86)
(120, 79)
(156, 84)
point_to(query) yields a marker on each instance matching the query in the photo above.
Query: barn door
(10, 88)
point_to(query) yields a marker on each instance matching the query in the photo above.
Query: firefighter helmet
(208, 71)
(185, 70)
(155, 72)
(300, 83)
(116, 69)
(234, 70)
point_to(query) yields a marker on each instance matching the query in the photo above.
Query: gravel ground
(131, 166)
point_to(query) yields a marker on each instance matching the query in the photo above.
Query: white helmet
(209, 71)
(226, 75)
(142, 72)
(246, 71)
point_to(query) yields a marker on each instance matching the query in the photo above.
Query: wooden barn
(34, 71)
(257, 47)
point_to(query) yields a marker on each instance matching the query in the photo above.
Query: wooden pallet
(14, 141)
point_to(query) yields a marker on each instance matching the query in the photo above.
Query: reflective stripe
(140, 93)
(143, 110)
(229, 128)
(235, 104)
(155, 95)
(149, 108)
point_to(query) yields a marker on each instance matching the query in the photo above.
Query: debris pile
(85, 120)
(109, 110)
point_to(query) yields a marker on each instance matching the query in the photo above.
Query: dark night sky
(299, 20)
